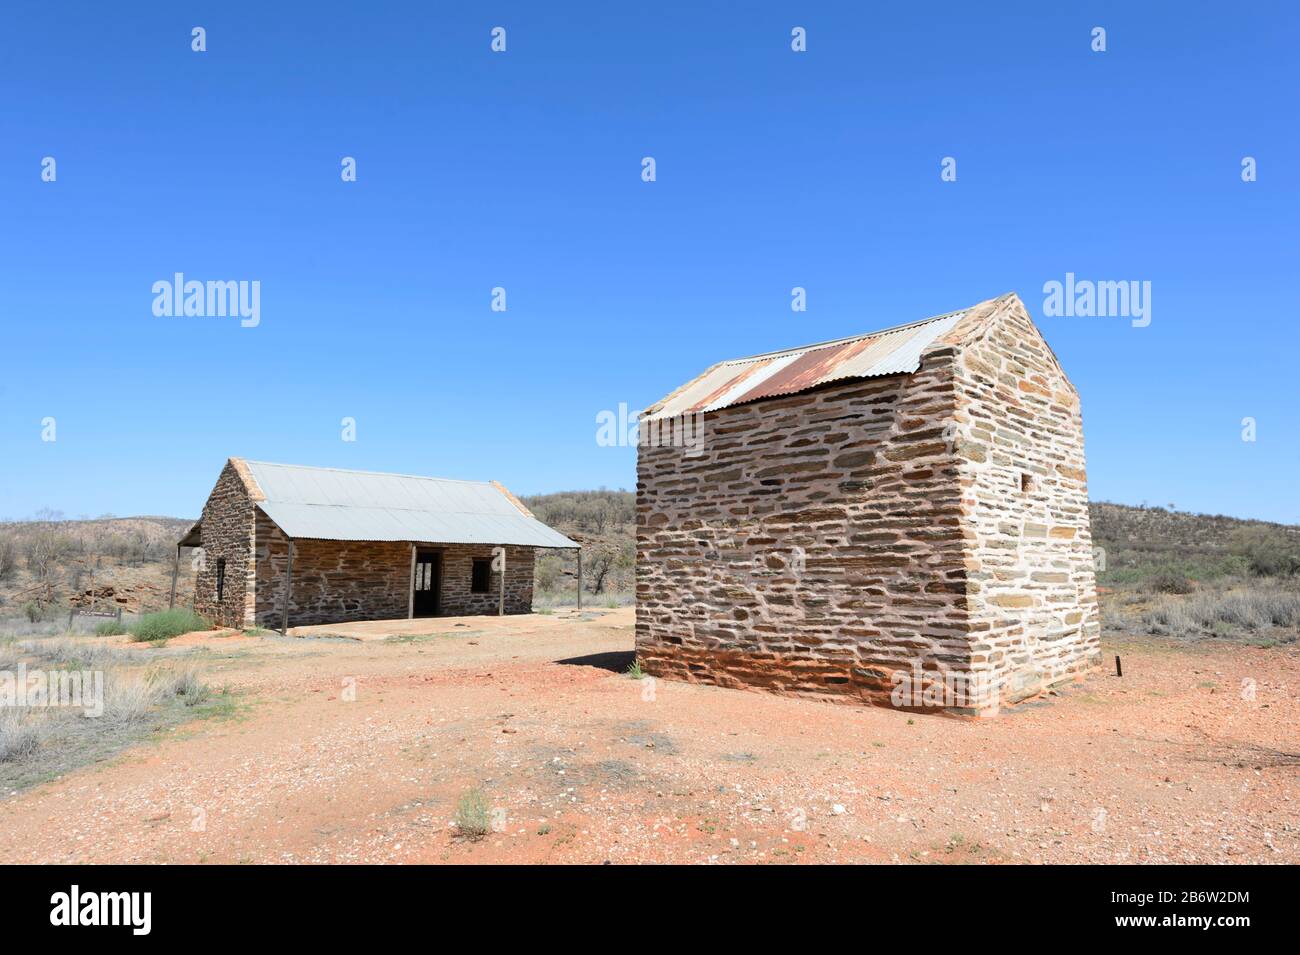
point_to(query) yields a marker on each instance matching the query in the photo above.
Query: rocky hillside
(604, 522)
(48, 564)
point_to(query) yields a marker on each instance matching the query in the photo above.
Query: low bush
(167, 624)
(1112, 618)
(473, 816)
(20, 732)
(1170, 581)
(183, 683)
(110, 628)
(130, 697)
(1270, 551)
(1226, 613)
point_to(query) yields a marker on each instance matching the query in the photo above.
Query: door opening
(427, 583)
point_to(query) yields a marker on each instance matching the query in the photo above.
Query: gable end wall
(227, 533)
(1032, 589)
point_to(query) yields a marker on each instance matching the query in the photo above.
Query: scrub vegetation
(141, 695)
(1196, 576)
(167, 624)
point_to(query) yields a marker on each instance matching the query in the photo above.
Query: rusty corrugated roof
(891, 351)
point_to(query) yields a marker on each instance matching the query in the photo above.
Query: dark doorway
(428, 583)
(480, 578)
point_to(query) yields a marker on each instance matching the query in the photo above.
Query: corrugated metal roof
(889, 352)
(333, 504)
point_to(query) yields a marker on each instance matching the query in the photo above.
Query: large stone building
(284, 545)
(900, 517)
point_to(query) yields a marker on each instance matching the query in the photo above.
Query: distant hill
(138, 539)
(1142, 541)
(585, 512)
(54, 561)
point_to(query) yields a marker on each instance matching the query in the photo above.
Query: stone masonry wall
(833, 541)
(341, 581)
(227, 524)
(1032, 589)
(333, 581)
(457, 560)
(814, 546)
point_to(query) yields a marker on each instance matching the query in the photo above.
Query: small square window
(481, 576)
(221, 578)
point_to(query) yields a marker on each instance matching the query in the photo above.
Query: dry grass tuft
(1252, 610)
(38, 743)
(21, 732)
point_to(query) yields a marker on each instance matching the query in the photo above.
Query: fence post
(288, 592)
(176, 569)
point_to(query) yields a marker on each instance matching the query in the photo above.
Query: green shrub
(167, 624)
(473, 818)
(1269, 551)
(33, 611)
(1170, 581)
(110, 628)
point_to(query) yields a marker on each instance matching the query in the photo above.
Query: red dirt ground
(1171, 763)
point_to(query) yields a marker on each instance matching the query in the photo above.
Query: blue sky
(522, 170)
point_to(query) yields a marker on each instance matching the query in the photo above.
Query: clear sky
(523, 170)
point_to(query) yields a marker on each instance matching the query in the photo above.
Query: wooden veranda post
(288, 592)
(176, 569)
(579, 578)
(501, 600)
(410, 593)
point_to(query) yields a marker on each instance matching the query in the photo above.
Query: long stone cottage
(284, 545)
(899, 517)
